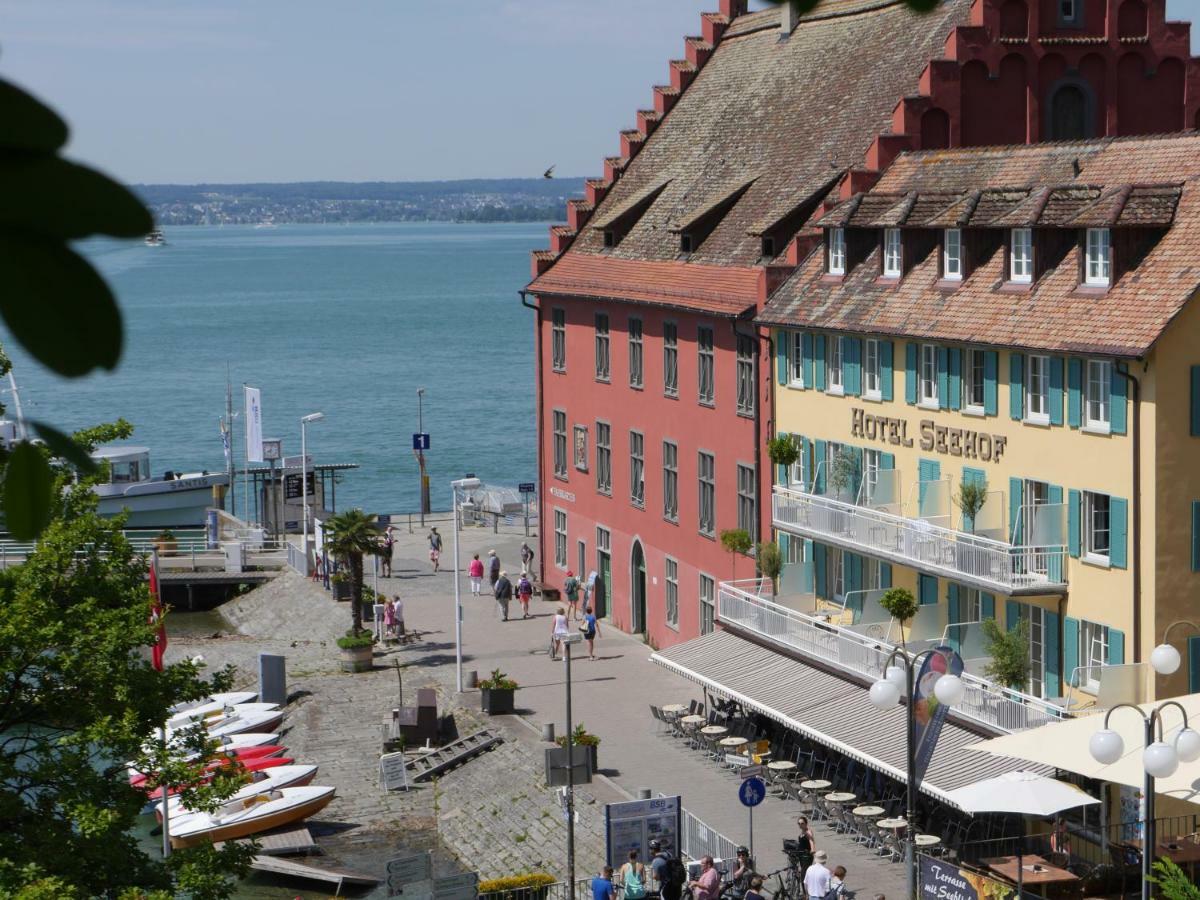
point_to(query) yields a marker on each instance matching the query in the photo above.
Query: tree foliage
(351, 536)
(770, 560)
(782, 450)
(901, 605)
(1009, 652)
(971, 497)
(1174, 882)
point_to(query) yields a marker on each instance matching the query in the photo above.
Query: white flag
(254, 438)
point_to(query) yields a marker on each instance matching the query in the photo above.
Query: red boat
(241, 754)
(253, 765)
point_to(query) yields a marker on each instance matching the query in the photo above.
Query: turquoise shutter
(987, 606)
(1196, 535)
(885, 370)
(1070, 649)
(1118, 513)
(781, 356)
(1054, 566)
(954, 616)
(927, 470)
(1074, 392)
(819, 468)
(1116, 647)
(1014, 510)
(943, 378)
(1012, 614)
(853, 348)
(885, 576)
(910, 374)
(807, 572)
(806, 350)
(1016, 385)
(1056, 390)
(819, 570)
(781, 471)
(1073, 529)
(955, 357)
(927, 588)
(972, 476)
(887, 461)
(1051, 654)
(854, 580)
(1116, 402)
(1193, 658)
(818, 362)
(991, 370)
(784, 540)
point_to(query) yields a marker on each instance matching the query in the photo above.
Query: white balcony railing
(977, 561)
(842, 648)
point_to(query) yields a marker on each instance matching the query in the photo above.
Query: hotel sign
(935, 438)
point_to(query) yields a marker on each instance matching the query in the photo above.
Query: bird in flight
(549, 173)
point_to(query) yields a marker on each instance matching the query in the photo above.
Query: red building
(654, 385)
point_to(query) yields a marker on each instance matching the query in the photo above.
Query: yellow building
(1016, 318)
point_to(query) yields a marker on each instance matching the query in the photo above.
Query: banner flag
(254, 435)
(928, 713)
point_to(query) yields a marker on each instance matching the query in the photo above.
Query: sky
(190, 91)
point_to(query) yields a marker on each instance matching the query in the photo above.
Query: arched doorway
(1071, 115)
(637, 589)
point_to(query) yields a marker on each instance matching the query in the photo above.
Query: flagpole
(166, 822)
(156, 660)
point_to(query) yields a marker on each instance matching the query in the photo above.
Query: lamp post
(573, 637)
(884, 694)
(1164, 658)
(1159, 760)
(304, 423)
(463, 484)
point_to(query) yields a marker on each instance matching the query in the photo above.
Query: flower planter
(341, 590)
(497, 701)
(357, 659)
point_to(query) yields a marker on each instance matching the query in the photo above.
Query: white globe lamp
(1164, 659)
(1106, 746)
(949, 690)
(1160, 759)
(884, 694)
(897, 676)
(1187, 745)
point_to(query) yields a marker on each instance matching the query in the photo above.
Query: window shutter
(955, 357)
(1074, 500)
(885, 370)
(887, 461)
(1056, 390)
(927, 589)
(1116, 402)
(943, 377)
(781, 471)
(1118, 512)
(1116, 647)
(1193, 658)
(807, 573)
(910, 374)
(819, 467)
(954, 615)
(1016, 385)
(1071, 650)
(818, 358)
(1074, 392)
(987, 606)
(972, 476)
(885, 576)
(1012, 614)
(818, 557)
(1054, 562)
(1014, 510)
(1050, 653)
(927, 470)
(784, 540)
(806, 350)
(1196, 535)
(781, 356)
(854, 567)
(853, 378)
(991, 369)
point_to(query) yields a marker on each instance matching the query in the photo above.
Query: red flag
(156, 616)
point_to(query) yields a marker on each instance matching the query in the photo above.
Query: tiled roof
(1151, 181)
(719, 290)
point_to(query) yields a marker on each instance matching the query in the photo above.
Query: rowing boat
(242, 818)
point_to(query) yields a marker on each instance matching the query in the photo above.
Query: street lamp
(1164, 658)
(1160, 759)
(304, 423)
(884, 694)
(463, 484)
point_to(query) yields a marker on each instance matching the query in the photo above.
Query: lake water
(347, 320)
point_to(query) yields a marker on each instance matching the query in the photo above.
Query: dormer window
(891, 253)
(1068, 12)
(837, 251)
(1097, 266)
(685, 243)
(1020, 256)
(952, 261)
(768, 247)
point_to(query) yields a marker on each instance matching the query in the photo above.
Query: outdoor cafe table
(714, 730)
(780, 766)
(895, 824)
(816, 784)
(674, 709)
(841, 797)
(868, 812)
(734, 742)
(692, 720)
(1034, 870)
(927, 840)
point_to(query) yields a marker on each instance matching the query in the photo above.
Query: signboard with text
(940, 879)
(634, 824)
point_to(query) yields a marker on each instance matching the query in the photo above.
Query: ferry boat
(155, 238)
(172, 500)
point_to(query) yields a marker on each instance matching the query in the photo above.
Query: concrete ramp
(289, 607)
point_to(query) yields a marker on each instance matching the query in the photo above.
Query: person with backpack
(633, 878)
(524, 593)
(668, 871)
(571, 590)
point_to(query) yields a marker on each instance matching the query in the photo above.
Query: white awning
(830, 710)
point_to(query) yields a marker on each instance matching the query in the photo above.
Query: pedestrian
(503, 591)
(571, 589)
(742, 873)
(633, 878)
(668, 871)
(475, 571)
(591, 631)
(755, 890)
(493, 568)
(389, 544)
(524, 593)
(389, 618)
(818, 878)
(526, 559)
(837, 884)
(435, 548)
(558, 631)
(708, 885)
(399, 606)
(602, 885)
(318, 572)
(806, 845)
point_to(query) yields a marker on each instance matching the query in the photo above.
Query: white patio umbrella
(1027, 793)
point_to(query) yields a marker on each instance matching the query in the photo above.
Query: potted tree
(841, 473)
(770, 563)
(351, 535)
(581, 737)
(358, 651)
(902, 606)
(166, 541)
(970, 499)
(735, 541)
(783, 451)
(1009, 653)
(497, 692)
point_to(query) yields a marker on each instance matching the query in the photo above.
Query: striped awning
(830, 710)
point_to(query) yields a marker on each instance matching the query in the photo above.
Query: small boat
(244, 755)
(264, 782)
(247, 769)
(155, 238)
(248, 739)
(236, 721)
(229, 698)
(215, 710)
(174, 500)
(242, 818)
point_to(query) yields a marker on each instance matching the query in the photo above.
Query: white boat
(264, 782)
(229, 698)
(236, 721)
(173, 500)
(155, 238)
(242, 818)
(214, 711)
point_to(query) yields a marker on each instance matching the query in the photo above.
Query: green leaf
(29, 125)
(50, 196)
(64, 447)
(28, 492)
(58, 306)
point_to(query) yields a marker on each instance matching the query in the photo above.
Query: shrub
(356, 641)
(770, 560)
(783, 450)
(580, 737)
(970, 499)
(520, 881)
(1009, 652)
(498, 681)
(901, 605)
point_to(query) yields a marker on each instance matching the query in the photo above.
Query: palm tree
(350, 536)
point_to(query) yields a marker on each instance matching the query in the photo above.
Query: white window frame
(670, 359)
(706, 480)
(708, 603)
(559, 427)
(1036, 616)
(636, 353)
(560, 538)
(744, 370)
(747, 511)
(1020, 256)
(835, 573)
(796, 474)
(1097, 395)
(1097, 539)
(671, 591)
(1092, 637)
(796, 360)
(706, 365)
(1037, 402)
(872, 371)
(927, 382)
(1097, 258)
(558, 339)
(670, 451)
(835, 361)
(893, 253)
(872, 463)
(952, 257)
(974, 376)
(837, 251)
(970, 604)
(604, 458)
(637, 469)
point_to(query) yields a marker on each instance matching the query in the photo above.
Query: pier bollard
(645, 793)
(472, 678)
(548, 732)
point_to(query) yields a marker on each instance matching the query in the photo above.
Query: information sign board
(752, 791)
(408, 870)
(393, 771)
(633, 824)
(457, 887)
(421, 440)
(526, 487)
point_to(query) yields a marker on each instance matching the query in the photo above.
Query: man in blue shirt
(602, 885)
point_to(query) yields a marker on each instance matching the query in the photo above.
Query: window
(560, 538)
(1093, 651)
(1097, 389)
(672, 592)
(1037, 389)
(952, 263)
(973, 379)
(837, 251)
(891, 253)
(670, 481)
(929, 376)
(1097, 264)
(635, 353)
(603, 458)
(872, 577)
(800, 466)
(970, 605)
(670, 359)
(602, 357)
(833, 365)
(747, 520)
(708, 604)
(1020, 256)
(1035, 616)
(835, 573)
(708, 493)
(1068, 12)
(558, 339)
(745, 375)
(560, 443)
(871, 461)
(872, 377)
(796, 360)
(704, 349)
(637, 469)
(1095, 526)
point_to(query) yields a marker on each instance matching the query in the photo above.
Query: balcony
(741, 606)
(880, 530)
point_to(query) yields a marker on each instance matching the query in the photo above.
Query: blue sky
(300, 90)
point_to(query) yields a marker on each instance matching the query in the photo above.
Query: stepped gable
(1138, 182)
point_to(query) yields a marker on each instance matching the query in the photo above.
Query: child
(389, 619)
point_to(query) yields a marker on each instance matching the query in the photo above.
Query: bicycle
(788, 883)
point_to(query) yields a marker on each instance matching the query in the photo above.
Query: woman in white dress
(558, 631)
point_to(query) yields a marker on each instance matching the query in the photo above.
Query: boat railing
(180, 556)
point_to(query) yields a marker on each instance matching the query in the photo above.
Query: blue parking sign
(752, 791)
